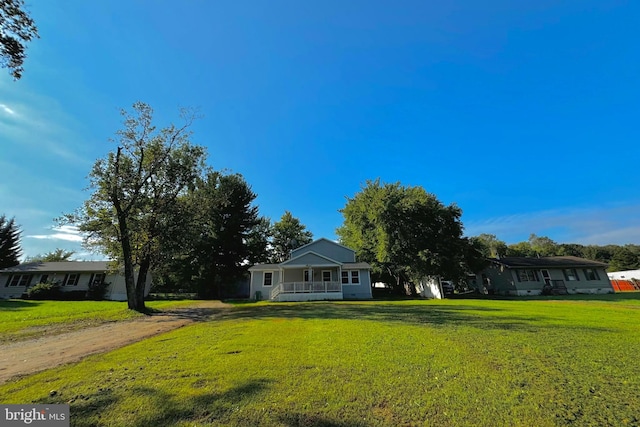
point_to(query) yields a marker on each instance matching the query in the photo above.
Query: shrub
(43, 291)
(97, 290)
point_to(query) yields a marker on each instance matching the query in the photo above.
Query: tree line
(155, 205)
(619, 257)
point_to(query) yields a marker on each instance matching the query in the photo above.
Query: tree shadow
(160, 408)
(314, 420)
(197, 314)
(416, 313)
(612, 297)
(15, 304)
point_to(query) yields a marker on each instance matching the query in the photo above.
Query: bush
(96, 291)
(43, 291)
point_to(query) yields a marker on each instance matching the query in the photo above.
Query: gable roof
(291, 261)
(548, 262)
(327, 240)
(62, 267)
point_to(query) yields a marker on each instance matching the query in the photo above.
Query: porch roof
(263, 267)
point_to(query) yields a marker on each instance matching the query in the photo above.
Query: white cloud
(599, 225)
(7, 110)
(68, 233)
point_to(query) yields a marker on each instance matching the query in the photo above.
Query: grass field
(21, 319)
(443, 363)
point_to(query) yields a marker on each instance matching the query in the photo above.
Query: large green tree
(134, 214)
(405, 233)
(226, 225)
(9, 242)
(286, 235)
(16, 29)
(489, 245)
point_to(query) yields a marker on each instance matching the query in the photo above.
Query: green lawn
(21, 319)
(443, 363)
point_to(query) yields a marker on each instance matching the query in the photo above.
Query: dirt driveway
(28, 357)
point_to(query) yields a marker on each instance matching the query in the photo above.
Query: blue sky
(525, 114)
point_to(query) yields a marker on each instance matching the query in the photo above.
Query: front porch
(306, 291)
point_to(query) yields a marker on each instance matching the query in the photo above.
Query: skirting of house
(309, 296)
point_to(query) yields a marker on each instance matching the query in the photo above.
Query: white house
(320, 270)
(70, 275)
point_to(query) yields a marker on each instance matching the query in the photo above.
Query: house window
(527, 276)
(326, 275)
(350, 277)
(306, 275)
(571, 274)
(268, 278)
(44, 278)
(19, 280)
(355, 276)
(96, 279)
(591, 274)
(71, 279)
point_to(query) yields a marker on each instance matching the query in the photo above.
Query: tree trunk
(142, 283)
(129, 280)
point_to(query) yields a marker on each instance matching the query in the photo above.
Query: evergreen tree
(286, 235)
(9, 243)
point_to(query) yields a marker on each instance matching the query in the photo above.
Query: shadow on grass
(313, 420)
(197, 314)
(620, 296)
(18, 304)
(411, 312)
(158, 408)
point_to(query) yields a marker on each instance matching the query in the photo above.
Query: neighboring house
(70, 275)
(320, 270)
(430, 287)
(529, 276)
(623, 281)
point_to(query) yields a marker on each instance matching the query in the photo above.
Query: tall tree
(56, 255)
(225, 222)
(544, 246)
(16, 29)
(489, 245)
(9, 243)
(134, 214)
(405, 233)
(624, 258)
(287, 234)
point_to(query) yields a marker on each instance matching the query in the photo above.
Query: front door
(546, 276)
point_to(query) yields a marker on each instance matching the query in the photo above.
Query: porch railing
(305, 287)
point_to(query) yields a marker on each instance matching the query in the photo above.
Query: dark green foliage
(134, 213)
(44, 291)
(489, 245)
(97, 290)
(16, 29)
(406, 234)
(9, 243)
(288, 234)
(227, 233)
(53, 256)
